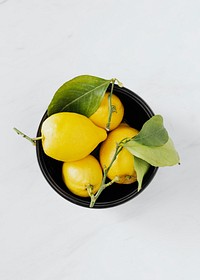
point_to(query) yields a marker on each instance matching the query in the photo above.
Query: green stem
(94, 198)
(32, 140)
(119, 83)
(103, 186)
(111, 108)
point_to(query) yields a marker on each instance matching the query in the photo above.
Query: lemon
(82, 174)
(100, 117)
(123, 166)
(68, 136)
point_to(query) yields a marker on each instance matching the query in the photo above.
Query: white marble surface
(151, 46)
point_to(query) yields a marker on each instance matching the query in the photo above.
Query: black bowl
(137, 112)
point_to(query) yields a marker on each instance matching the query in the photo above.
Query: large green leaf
(141, 167)
(153, 132)
(164, 155)
(82, 95)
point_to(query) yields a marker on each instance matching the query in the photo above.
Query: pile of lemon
(72, 137)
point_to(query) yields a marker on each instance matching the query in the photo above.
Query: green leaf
(82, 95)
(153, 132)
(164, 155)
(141, 167)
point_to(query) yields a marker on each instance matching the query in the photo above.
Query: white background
(152, 47)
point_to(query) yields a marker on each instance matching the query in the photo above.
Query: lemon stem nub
(89, 188)
(32, 140)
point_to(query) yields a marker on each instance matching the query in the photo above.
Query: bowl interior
(136, 113)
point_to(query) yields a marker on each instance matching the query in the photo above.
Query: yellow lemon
(100, 117)
(123, 166)
(70, 136)
(82, 174)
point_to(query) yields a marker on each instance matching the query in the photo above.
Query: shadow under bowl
(137, 112)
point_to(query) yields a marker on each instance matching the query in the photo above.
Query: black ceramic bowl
(137, 112)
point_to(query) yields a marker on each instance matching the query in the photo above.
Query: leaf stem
(32, 140)
(119, 83)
